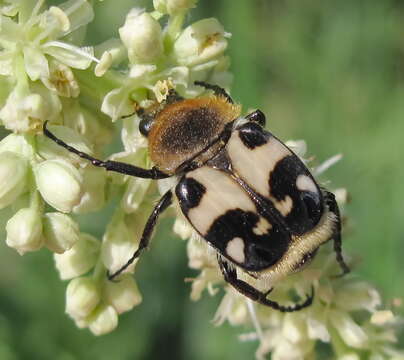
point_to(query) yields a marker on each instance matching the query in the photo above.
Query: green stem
(93, 88)
(99, 273)
(174, 26)
(22, 86)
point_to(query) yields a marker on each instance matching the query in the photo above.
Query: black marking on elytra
(252, 135)
(307, 207)
(189, 193)
(193, 128)
(264, 206)
(261, 251)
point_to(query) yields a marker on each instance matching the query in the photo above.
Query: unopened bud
(61, 232)
(124, 294)
(59, 183)
(24, 230)
(79, 259)
(200, 42)
(13, 177)
(82, 297)
(103, 321)
(142, 36)
(118, 245)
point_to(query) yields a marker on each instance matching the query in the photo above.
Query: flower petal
(36, 64)
(70, 55)
(352, 334)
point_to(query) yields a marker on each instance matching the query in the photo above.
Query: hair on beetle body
(243, 190)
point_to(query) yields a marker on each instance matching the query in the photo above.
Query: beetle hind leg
(333, 207)
(230, 275)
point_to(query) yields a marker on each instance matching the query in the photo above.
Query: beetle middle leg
(162, 205)
(230, 276)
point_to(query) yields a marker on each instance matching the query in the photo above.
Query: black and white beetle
(244, 191)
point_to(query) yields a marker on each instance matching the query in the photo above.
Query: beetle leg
(333, 207)
(163, 204)
(230, 276)
(257, 116)
(216, 89)
(109, 165)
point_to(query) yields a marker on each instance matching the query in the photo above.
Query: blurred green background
(327, 71)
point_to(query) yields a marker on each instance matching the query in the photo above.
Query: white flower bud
(79, 259)
(59, 183)
(200, 42)
(173, 7)
(142, 36)
(13, 177)
(93, 198)
(24, 231)
(118, 245)
(16, 144)
(82, 297)
(103, 321)
(61, 232)
(122, 295)
(134, 194)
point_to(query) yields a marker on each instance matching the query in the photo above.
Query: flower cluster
(47, 74)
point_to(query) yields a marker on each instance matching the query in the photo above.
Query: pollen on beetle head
(162, 88)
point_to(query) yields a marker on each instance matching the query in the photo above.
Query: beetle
(241, 188)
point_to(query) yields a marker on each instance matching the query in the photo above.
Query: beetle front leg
(230, 276)
(163, 204)
(109, 165)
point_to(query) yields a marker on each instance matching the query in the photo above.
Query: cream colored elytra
(254, 166)
(223, 194)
